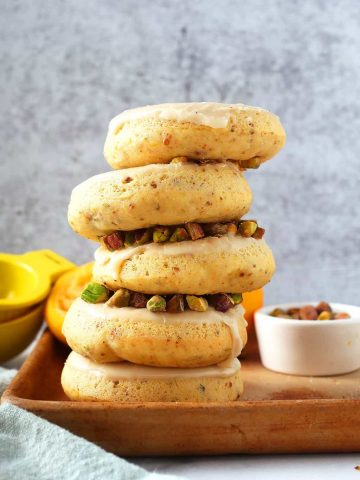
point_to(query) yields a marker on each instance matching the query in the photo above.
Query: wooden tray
(278, 413)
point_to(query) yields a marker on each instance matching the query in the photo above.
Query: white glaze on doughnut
(127, 370)
(105, 312)
(211, 114)
(208, 245)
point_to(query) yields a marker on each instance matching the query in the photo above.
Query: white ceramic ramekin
(308, 347)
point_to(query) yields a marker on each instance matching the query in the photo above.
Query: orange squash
(66, 289)
(251, 302)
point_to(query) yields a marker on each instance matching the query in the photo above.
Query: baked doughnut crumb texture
(210, 265)
(186, 340)
(203, 131)
(161, 319)
(158, 195)
(211, 384)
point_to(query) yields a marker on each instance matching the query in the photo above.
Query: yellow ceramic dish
(26, 280)
(16, 335)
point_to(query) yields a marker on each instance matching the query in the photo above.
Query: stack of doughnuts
(162, 319)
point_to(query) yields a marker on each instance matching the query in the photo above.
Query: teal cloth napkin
(33, 448)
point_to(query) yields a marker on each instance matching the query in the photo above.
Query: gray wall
(68, 67)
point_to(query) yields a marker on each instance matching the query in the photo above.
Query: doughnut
(158, 195)
(186, 340)
(231, 264)
(211, 131)
(83, 379)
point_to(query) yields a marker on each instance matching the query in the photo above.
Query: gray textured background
(67, 67)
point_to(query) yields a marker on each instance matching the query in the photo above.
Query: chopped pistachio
(222, 302)
(142, 236)
(308, 312)
(279, 312)
(175, 304)
(179, 235)
(216, 229)
(247, 228)
(199, 304)
(137, 300)
(114, 241)
(161, 234)
(259, 233)
(236, 298)
(194, 230)
(129, 239)
(179, 160)
(322, 311)
(251, 163)
(121, 298)
(323, 307)
(294, 313)
(156, 304)
(232, 228)
(341, 316)
(95, 293)
(324, 315)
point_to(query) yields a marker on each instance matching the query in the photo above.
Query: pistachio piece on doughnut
(114, 241)
(121, 298)
(129, 239)
(161, 234)
(232, 228)
(254, 162)
(217, 229)
(156, 304)
(142, 236)
(175, 304)
(95, 293)
(247, 228)
(194, 230)
(199, 304)
(138, 300)
(179, 235)
(236, 298)
(222, 302)
(259, 233)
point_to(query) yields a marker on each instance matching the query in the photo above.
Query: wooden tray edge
(256, 427)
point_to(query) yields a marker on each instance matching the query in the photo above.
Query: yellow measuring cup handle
(48, 263)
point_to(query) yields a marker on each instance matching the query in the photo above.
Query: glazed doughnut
(83, 379)
(215, 131)
(186, 340)
(231, 264)
(158, 195)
